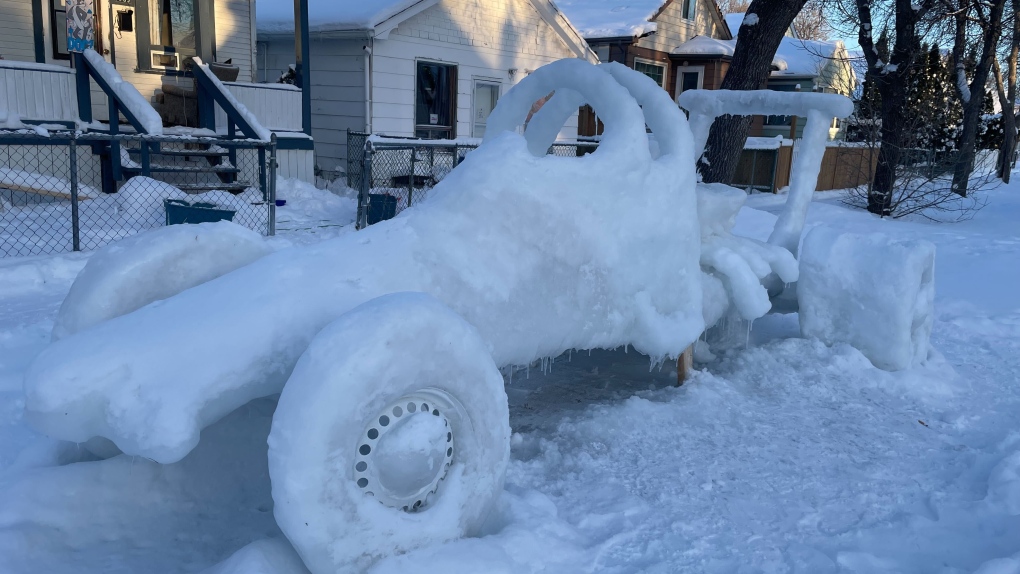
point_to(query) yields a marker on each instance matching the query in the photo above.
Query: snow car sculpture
(392, 430)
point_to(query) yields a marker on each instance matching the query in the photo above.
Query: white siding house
(413, 68)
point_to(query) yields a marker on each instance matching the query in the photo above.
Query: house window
(58, 23)
(171, 32)
(435, 108)
(688, 9)
(485, 97)
(654, 71)
(173, 25)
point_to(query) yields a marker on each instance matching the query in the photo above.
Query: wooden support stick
(684, 365)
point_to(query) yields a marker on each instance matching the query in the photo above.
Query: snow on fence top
(610, 18)
(127, 94)
(714, 103)
(277, 16)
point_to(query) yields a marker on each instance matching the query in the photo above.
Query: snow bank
(152, 266)
(141, 199)
(128, 95)
(540, 254)
(871, 291)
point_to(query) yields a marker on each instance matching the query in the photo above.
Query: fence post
(73, 165)
(410, 179)
(272, 183)
(146, 157)
(366, 187)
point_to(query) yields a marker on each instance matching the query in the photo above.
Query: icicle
(570, 355)
(747, 340)
(527, 373)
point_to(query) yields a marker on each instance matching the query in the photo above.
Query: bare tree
(734, 6)
(757, 42)
(977, 24)
(813, 23)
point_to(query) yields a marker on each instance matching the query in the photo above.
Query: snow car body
(530, 255)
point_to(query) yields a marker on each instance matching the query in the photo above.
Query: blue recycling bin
(180, 211)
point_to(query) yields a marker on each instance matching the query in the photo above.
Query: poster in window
(81, 25)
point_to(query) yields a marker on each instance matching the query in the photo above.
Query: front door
(689, 78)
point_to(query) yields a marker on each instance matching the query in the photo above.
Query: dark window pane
(652, 71)
(435, 111)
(688, 81)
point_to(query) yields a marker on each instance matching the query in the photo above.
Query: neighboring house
(643, 34)
(430, 69)
(799, 65)
(688, 44)
(147, 41)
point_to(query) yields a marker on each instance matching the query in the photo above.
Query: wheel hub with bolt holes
(406, 450)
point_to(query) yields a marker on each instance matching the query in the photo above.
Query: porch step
(185, 169)
(190, 152)
(235, 188)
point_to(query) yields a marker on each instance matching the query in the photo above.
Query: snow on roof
(706, 46)
(793, 58)
(803, 57)
(278, 15)
(610, 18)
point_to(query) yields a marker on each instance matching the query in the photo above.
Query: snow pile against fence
(551, 258)
(126, 93)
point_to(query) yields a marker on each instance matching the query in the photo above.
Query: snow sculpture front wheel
(391, 434)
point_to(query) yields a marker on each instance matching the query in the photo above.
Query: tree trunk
(1007, 100)
(891, 80)
(894, 100)
(749, 70)
(973, 96)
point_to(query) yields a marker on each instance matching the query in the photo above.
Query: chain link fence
(392, 174)
(64, 191)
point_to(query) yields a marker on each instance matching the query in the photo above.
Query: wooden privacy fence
(843, 166)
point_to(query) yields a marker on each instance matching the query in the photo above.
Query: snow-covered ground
(781, 455)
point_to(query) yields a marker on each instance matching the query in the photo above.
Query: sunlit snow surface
(782, 456)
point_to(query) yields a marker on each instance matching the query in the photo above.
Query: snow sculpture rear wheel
(391, 434)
